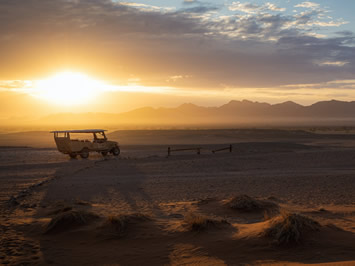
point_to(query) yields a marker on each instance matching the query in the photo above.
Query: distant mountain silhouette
(233, 113)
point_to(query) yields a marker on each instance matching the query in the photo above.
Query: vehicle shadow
(113, 182)
(109, 187)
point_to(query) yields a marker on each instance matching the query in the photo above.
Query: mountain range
(234, 113)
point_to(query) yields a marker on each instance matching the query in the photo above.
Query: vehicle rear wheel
(84, 153)
(104, 153)
(73, 155)
(115, 151)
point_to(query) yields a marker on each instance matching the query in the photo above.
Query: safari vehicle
(75, 147)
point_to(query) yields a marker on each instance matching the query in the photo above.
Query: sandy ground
(312, 177)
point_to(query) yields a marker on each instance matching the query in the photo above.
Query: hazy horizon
(233, 114)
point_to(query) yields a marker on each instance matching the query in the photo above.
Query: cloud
(315, 17)
(198, 9)
(254, 8)
(188, 2)
(254, 47)
(334, 63)
(145, 7)
(334, 84)
(307, 4)
(15, 85)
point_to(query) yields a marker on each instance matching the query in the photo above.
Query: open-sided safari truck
(68, 144)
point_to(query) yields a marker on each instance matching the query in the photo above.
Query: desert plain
(282, 196)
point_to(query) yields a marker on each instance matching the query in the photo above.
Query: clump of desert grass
(82, 203)
(68, 220)
(198, 223)
(118, 225)
(290, 228)
(245, 203)
(61, 209)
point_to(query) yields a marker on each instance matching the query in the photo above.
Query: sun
(68, 88)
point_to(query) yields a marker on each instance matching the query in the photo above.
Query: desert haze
(235, 113)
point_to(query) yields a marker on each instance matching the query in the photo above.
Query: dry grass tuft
(69, 220)
(83, 203)
(245, 203)
(120, 223)
(60, 210)
(249, 204)
(198, 223)
(290, 228)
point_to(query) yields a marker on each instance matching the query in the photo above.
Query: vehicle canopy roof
(80, 131)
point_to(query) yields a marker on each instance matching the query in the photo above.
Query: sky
(128, 54)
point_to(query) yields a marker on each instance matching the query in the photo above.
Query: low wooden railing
(198, 149)
(230, 148)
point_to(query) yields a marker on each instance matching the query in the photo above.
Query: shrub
(120, 223)
(68, 220)
(249, 204)
(200, 223)
(290, 228)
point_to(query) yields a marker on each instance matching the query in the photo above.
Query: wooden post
(230, 148)
(168, 151)
(198, 151)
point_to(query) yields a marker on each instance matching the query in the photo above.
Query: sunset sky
(114, 56)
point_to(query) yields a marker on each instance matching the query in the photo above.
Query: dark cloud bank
(117, 41)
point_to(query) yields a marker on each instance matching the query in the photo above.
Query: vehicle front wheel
(73, 155)
(84, 154)
(116, 151)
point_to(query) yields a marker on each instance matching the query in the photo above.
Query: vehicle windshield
(99, 136)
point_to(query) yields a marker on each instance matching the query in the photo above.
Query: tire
(104, 153)
(116, 151)
(72, 155)
(84, 153)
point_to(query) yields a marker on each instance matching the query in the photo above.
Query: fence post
(230, 148)
(198, 151)
(168, 151)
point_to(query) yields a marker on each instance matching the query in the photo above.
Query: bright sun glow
(73, 88)
(68, 88)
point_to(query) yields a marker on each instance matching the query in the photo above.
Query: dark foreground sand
(315, 178)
